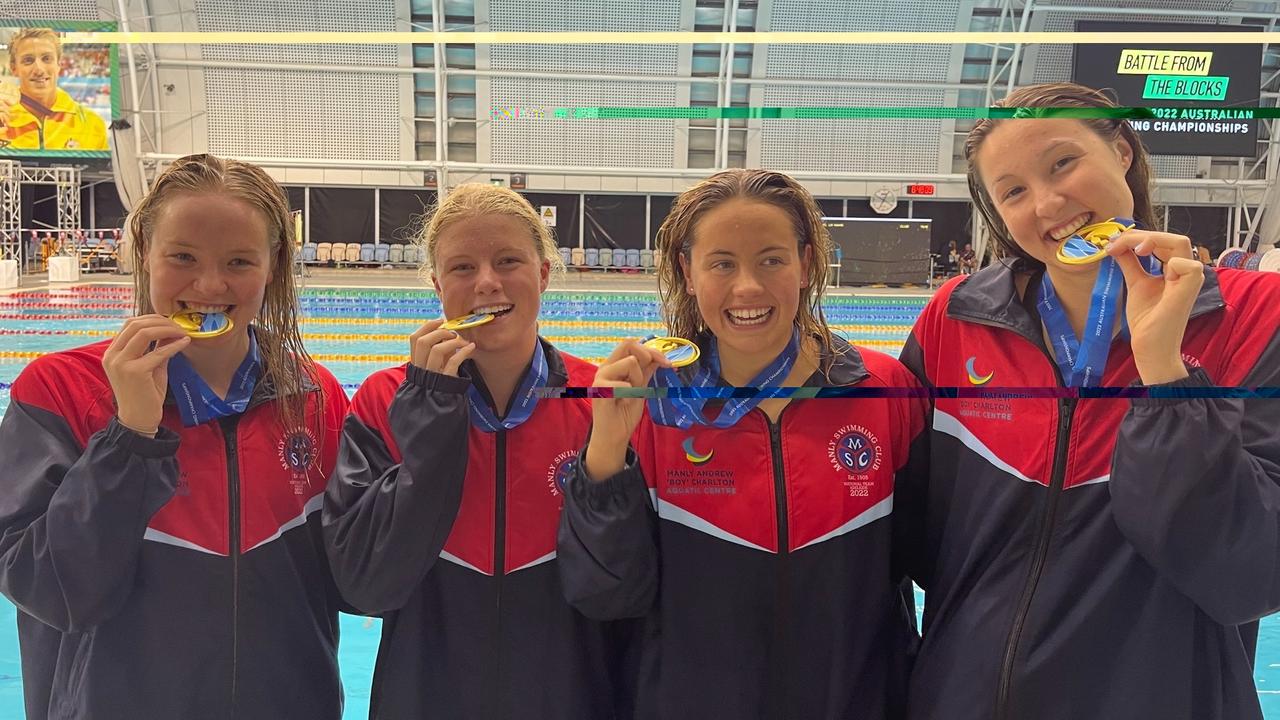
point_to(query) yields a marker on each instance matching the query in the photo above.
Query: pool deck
(579, 281)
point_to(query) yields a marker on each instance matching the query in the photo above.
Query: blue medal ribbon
(1082, 360)
(523, 404)
(683, 412)
(198, 403)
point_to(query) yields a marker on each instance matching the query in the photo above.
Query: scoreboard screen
(1199, 93)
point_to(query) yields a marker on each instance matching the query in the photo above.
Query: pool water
(356, 332)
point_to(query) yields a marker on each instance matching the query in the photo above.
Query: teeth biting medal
(1089, 243)
(202, 325)
(679, 351)
(468, 321)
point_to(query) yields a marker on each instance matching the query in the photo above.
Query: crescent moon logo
(974, 378)
(693, 455)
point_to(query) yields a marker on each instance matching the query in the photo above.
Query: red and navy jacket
(181, 576)
(760, 555)
(1096, 558)
(449, 533)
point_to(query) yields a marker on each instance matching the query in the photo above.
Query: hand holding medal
(1158, 306)
(614, 420)
(437, 347)
(139, 375)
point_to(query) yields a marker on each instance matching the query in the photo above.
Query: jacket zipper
(782, 598)
(1048, 518)
(1066, 410)
(233, 551)
(499, 566)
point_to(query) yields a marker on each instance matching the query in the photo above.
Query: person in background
(37, 114)
(968, 260)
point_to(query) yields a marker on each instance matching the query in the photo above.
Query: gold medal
(679, 351)
(1089, 243)
(203, 325)
(468, 321)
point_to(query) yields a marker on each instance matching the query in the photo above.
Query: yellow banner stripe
(557, 339)
(659, 38)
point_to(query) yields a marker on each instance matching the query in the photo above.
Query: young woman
(442, 513)
(158, 524)
(754, 535)
(1093, 558)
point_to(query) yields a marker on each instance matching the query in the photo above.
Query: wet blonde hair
(33, 34)
(285, 361)
(675, 238)
(1058, 95)
(473, 200)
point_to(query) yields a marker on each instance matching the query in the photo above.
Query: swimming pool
(355, 332)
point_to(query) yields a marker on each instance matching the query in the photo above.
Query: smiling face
(1049, 177)
(210, 253)
(746, 271)
(34, 61)
(490, 264)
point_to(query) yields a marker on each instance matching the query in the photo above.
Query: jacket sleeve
(608, 543)
(1194, 488)
(386, 518)
(332, 414)
(73, 516)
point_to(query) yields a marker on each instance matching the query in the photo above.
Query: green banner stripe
(879, 113)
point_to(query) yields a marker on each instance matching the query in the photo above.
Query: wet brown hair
(1059, 95)
(675, 238)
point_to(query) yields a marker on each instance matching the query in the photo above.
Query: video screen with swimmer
(59, 91)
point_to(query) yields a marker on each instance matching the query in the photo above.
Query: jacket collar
(28, 109)
(265, 389)
(847, 366)
(990, 297)
(557, 374)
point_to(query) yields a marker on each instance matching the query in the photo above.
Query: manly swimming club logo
(561, 469)
(855, 450)
(297, 452)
